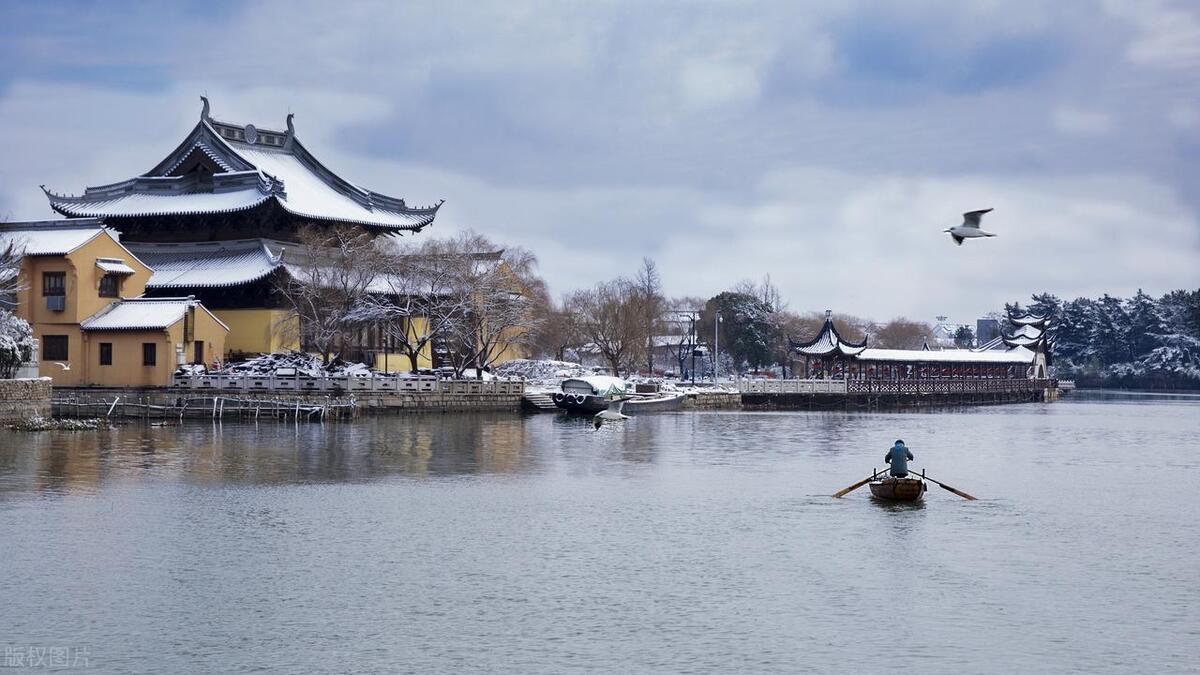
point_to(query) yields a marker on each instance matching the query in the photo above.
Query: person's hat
(899, 442)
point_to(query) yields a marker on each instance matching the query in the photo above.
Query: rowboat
(898, 489)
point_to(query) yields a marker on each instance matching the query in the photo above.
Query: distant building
(986, 330)
(944, 331)
(80, 294)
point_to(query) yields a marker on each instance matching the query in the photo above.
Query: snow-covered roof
(136, 204)
(222, 167)
(1018, 355)
(52, 237)
(829, 341)
(1028, 320)
(143, 314)
(209, 264)
(308, 194)
(114, 266)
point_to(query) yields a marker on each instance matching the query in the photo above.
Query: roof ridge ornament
(291, 132)
(204, 111)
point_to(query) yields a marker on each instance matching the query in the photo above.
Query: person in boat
(898, 457)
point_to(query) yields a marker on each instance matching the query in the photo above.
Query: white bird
(969, 228)
(613, 412)
(60, 364)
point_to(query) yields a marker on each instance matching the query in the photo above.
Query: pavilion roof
(1029, 320)
(828, 341)
(209, 264)
(241, 168)
(1017, 355)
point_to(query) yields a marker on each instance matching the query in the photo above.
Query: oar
(942, 485)
(842, 493)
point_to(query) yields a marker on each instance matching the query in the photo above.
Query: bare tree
(558, 329)
(649, 305)
(414, 302)
(902, 333)
(332, 273)
(487, 306)
(604, 318)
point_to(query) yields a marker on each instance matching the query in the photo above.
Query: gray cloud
(826, 145)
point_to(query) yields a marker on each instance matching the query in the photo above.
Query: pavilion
(1021, 354)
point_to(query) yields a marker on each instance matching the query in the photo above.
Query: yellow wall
(127, 369)
(400, 363)
(83, 300)
(259, 330)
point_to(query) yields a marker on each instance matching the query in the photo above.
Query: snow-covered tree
(17, 344)
(748, 331)
(964, 337)
(1110, 331)
(1146, 325)
(329, 278)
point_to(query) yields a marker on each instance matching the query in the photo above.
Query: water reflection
(264, 454)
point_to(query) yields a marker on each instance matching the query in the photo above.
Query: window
(54, 347)
(54, 284)
(149, 354)
(106, 353)
(110, 286)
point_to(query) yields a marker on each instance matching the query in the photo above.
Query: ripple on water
(702, 542)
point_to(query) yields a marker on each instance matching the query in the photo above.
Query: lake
(699, 542)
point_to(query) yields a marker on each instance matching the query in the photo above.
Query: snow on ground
(295, 363)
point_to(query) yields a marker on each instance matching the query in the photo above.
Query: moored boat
(659, 402)
(588, 395)
(898, 489)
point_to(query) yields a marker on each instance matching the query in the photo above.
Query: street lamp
(716, 346)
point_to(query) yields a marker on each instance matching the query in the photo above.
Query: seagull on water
(969, 228)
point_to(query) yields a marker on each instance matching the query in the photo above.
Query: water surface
(689, 542)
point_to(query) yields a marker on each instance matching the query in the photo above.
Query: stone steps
(539, 401)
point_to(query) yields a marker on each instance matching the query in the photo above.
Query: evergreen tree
(1181, 310)
(964, 337)
(1146, 325)
(1073, 331)
(1109, 331)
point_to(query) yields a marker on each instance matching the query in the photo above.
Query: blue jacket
(898, 456)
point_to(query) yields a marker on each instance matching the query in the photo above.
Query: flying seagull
(969, 228)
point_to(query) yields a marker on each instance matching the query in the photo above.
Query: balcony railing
(899, 387)
(378, 384)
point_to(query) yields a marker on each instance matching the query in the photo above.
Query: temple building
(1022, 354)
(215, 217)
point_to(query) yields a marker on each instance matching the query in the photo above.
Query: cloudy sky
(825, 144)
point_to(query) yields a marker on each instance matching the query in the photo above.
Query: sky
(826, 144)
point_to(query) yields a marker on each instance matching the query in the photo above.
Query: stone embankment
(22, 399)
(124, 402)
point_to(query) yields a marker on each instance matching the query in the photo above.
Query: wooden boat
(898, 489)
(588, 395)
(661, 402)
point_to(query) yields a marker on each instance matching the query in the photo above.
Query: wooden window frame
(61, 289)
(48, 340)
(106, 350)
(114, 280)
(149, 354)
